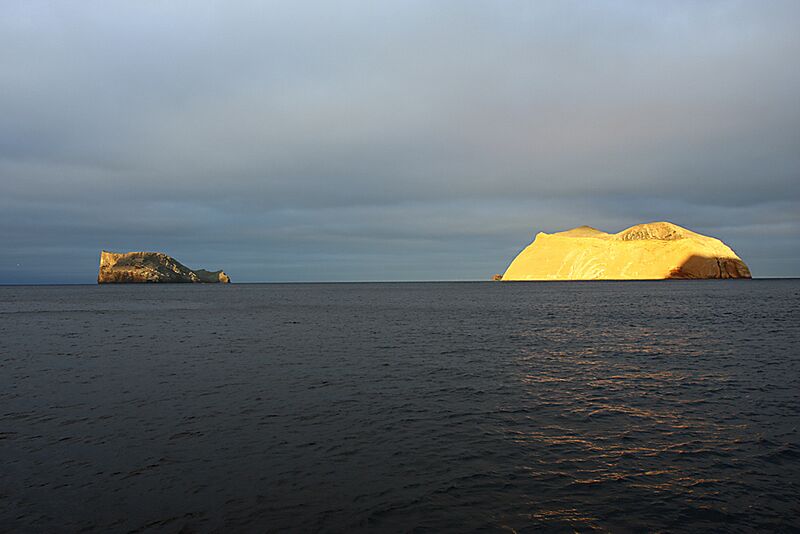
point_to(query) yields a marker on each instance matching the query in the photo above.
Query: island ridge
(151, 267)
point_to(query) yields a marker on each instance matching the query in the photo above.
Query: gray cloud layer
(390, 140)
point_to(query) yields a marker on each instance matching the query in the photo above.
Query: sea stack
(652, 251)
(151, 267)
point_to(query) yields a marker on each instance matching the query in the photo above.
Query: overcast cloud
(390, 140)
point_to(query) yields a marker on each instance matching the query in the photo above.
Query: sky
(391, 140)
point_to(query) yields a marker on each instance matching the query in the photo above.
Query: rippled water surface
(671, 406)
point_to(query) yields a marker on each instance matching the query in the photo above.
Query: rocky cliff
(650, 251)
(153, 267)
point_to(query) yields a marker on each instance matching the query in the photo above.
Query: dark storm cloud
(391, 140)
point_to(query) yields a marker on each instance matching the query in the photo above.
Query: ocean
(392, 407)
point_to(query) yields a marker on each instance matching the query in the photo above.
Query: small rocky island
(151, 267)
(652, 251)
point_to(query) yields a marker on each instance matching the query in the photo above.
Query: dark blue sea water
(429, 407)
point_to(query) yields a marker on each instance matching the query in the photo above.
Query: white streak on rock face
(151, 267)
(650, 251)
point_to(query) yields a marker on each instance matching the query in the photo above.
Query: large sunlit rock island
(151, 267)
(652, 251)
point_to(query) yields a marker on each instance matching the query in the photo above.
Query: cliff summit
(652, 251)
(151, 267)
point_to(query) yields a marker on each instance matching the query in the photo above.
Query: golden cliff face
(652, 251)
(151, 267)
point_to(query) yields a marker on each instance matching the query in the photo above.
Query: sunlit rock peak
(155, 267)
(651, 251)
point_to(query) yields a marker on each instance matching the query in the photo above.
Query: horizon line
(297, 282)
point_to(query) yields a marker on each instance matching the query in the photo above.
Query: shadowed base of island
(704, 267)
(694, 268)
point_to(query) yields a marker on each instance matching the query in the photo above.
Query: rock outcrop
(652, 251)
(151, 267)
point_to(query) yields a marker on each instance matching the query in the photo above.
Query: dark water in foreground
(670, 406)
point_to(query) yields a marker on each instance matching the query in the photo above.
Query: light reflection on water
(440, 407)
